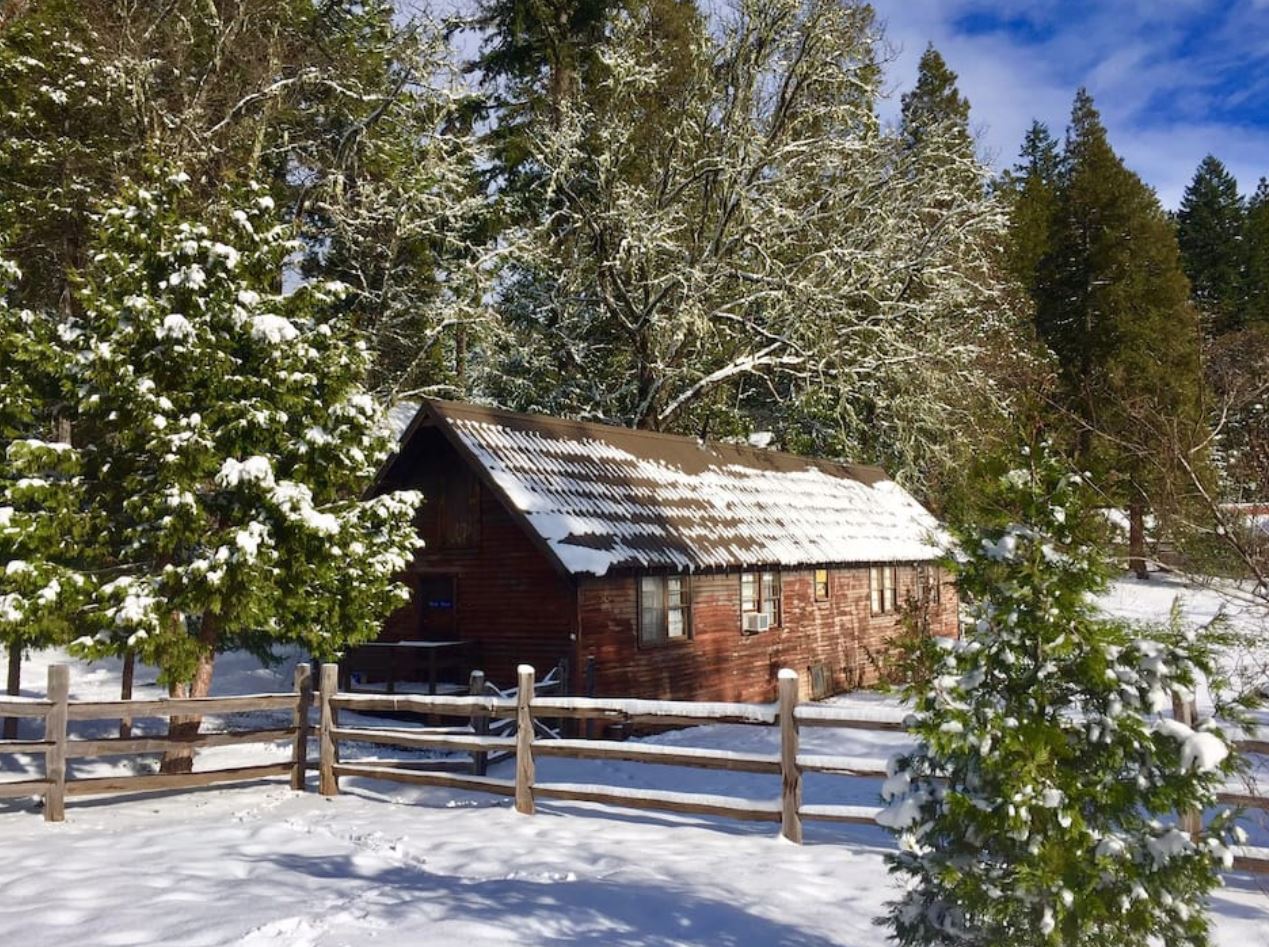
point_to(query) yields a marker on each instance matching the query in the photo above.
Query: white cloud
(1166, 93)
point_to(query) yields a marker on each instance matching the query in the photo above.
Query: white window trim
(684, 608)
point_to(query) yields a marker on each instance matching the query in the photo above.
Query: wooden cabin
(655, 565)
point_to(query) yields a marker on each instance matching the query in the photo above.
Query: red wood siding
(509, 598)
(718, 662)
(512, 602)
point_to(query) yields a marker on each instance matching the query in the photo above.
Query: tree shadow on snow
(552, 910)
(857, 839)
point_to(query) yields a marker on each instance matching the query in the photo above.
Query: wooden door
(437, 612)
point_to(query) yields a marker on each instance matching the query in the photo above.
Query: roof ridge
(590, 507)
(549, 420)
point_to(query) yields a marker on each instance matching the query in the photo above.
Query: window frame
(767, 598)
(661, 632)
(816, 585)
(883, 588)
(929, 584)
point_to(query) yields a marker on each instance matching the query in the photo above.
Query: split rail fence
(484, 735)
(527, 709)
(57, 710)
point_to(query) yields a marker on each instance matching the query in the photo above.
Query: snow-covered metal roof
(602, 497)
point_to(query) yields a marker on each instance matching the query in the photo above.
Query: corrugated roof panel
(608, 498)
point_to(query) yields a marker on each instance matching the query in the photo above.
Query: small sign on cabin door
(437, 614)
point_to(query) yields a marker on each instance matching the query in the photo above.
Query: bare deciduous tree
(761, 245)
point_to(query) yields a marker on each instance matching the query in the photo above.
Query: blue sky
(1173, 79)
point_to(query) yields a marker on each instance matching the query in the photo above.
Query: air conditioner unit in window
(754, 622)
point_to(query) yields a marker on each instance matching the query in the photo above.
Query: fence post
(328, 783)
(790, 773)
(524, 739)
(1191, 821)
(55, 734)
(14, 689)
(590, 692)
(479, 723)
(303, 701)
(125, 690)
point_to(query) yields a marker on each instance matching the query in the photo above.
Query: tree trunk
(14, 689)
(1137, 539)
(125, 690)
(460, 359)
(186, 727)
(646, 381)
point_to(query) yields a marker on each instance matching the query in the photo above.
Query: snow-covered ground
(388, 864)
(1151, 601)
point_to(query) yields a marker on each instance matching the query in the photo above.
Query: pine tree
(1032, 188)
(1257, 238)
(1112, 302)
(938, 159)
(527, 40)
(934, 129)
(1210, 235)
(227, 439)
(535, 56)
(41, 584)
(1038, 807)
(935, 101)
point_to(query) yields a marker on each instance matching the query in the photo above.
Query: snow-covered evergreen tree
(1039, 805)
(227, 438)
(40, 488)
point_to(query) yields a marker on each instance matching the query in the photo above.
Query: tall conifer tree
(1032, 185)
(935, 99)
(1113, 303)
(935, 128)
(1210, 235)
(535, 55)
(1257, 240)
(1237, 367)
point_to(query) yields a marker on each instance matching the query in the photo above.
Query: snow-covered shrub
(227, 441)
(1039, 806)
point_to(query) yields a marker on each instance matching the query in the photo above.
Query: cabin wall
(840, 636)
(508, 599)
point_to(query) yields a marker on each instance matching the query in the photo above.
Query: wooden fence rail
(789, 763)
(526, 709)
(57, 747)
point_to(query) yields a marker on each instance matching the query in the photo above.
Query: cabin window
(821, 585)
(760, 595)
(665, 609)
(884, 587)
(929, 584)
